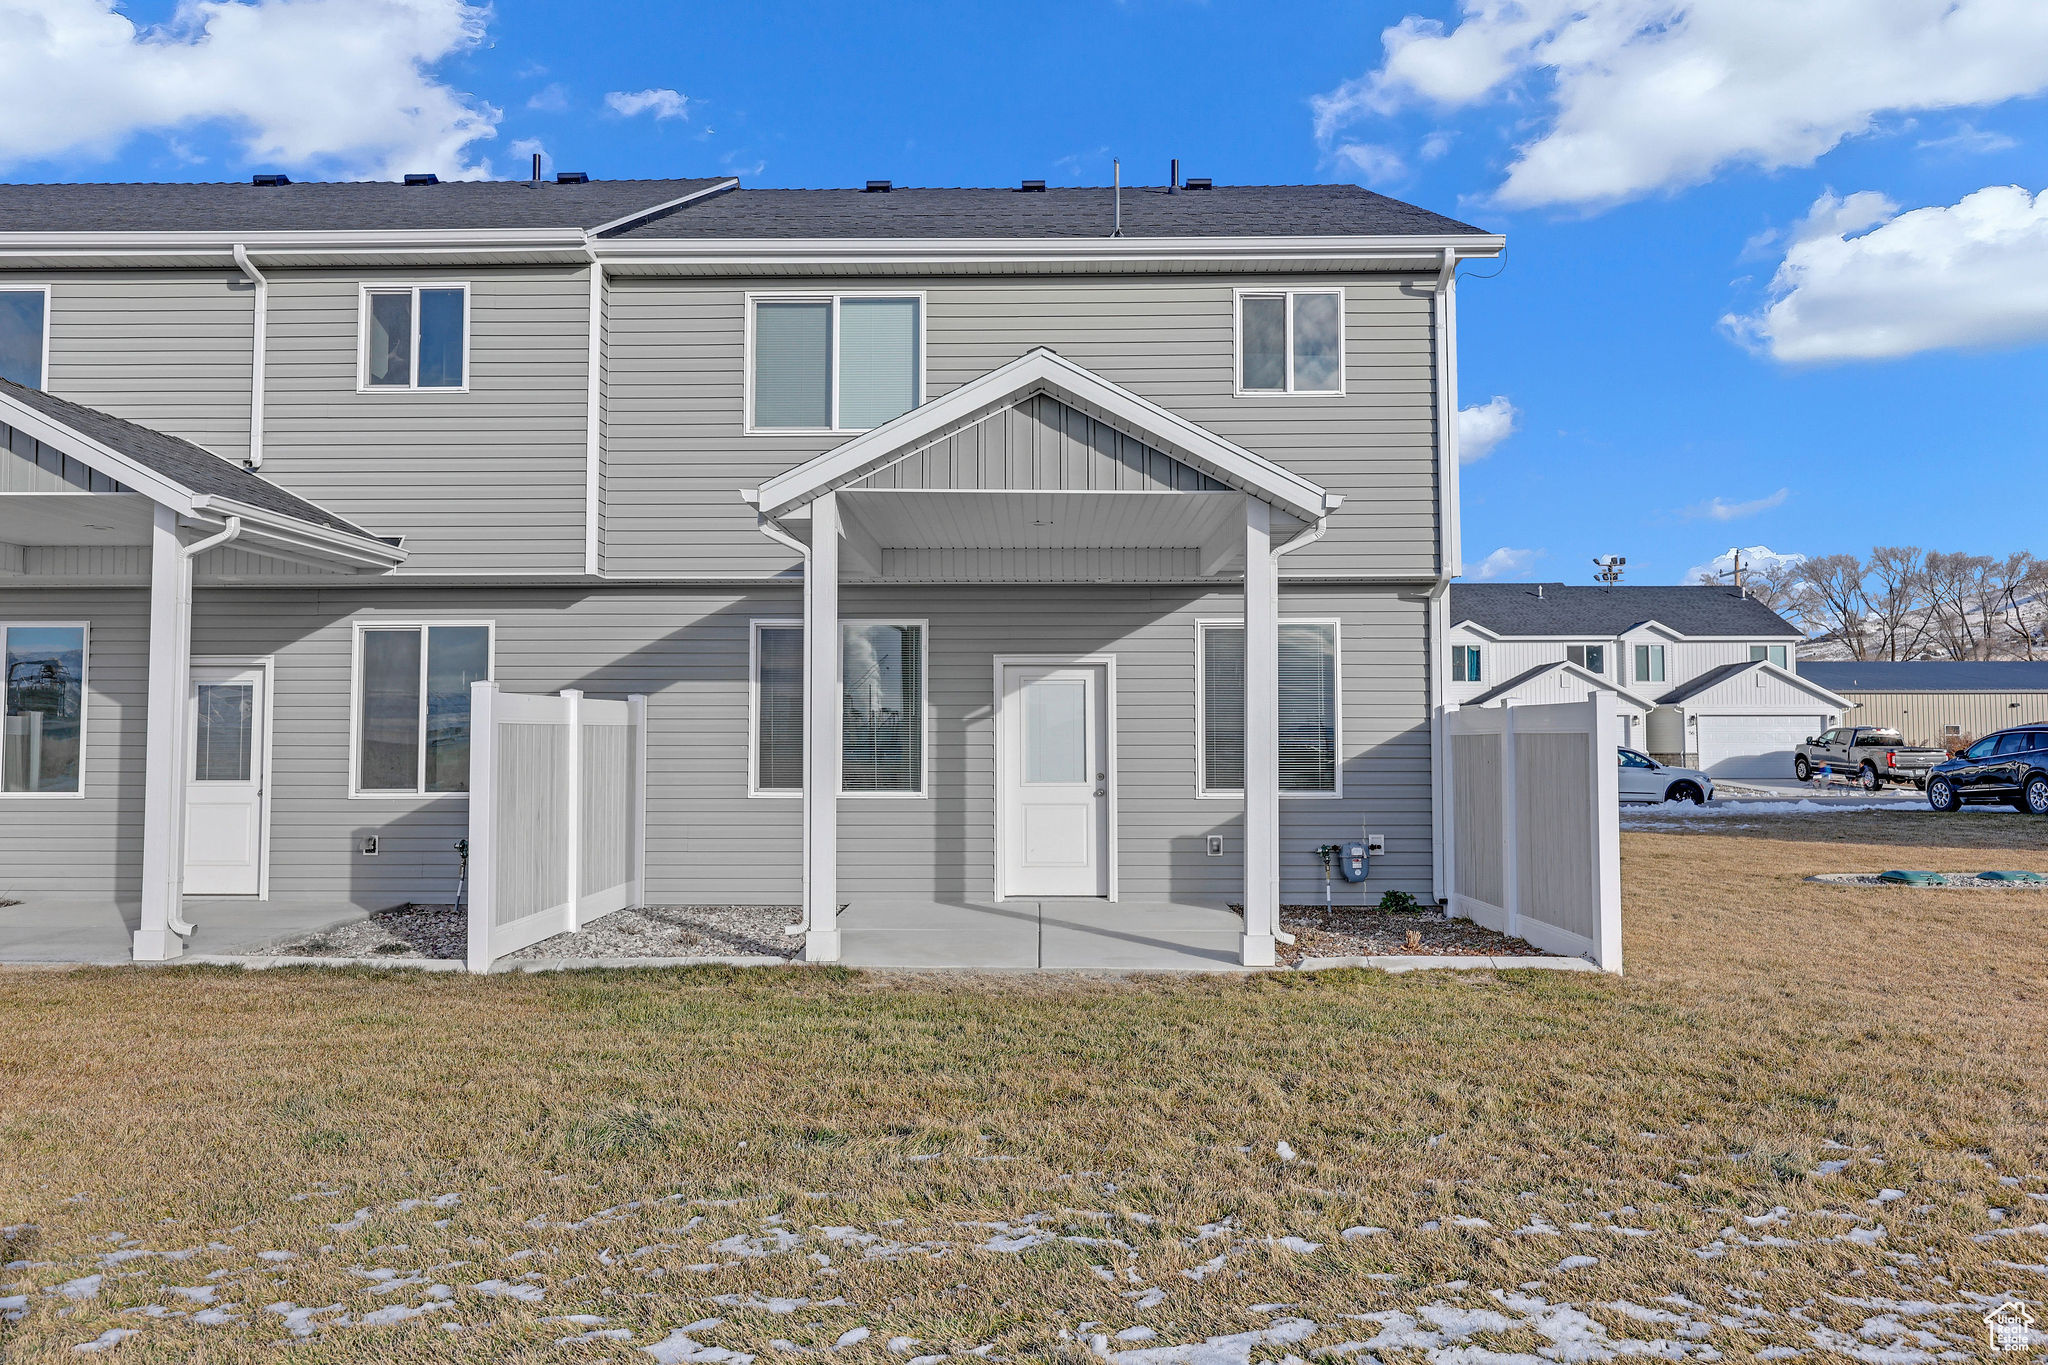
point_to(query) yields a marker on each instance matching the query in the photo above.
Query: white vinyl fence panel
(557, 815)
(1536, 824)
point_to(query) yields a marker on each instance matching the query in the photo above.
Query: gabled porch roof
(126, 470)
(1037, 372)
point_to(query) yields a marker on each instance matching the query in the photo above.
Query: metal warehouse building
(1937, 701)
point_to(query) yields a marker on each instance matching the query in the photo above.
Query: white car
(1645, 779)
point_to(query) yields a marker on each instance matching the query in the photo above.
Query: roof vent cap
(572, 178)
(422, 178)
(1032, 187)
(1198, 182)
(877, 187)
(267, 178)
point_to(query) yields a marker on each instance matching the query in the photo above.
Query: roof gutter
(258, 326)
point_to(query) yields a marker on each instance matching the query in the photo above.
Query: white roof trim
(642, 215)
(1042, 370)
(1423, 250)
(1591, 679)
(1786, 675)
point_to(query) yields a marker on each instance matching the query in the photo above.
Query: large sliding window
(24, 335)
(412, 705)
(42, 720)
(1311, 726)
(882, 700)
(834, 362)
(1290, 341)
(415, 337)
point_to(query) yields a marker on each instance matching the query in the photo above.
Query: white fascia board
(1064, 252)
(308, 537)
(1806, 685)
(1468, 626)
(284, 245)
(1042, 370)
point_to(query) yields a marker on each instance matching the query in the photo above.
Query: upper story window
(1290, 341)
(833, 362)
(42, 718)
(24, 335)
(415, 336)
(1465, 663)
(1774, 653)
(1649, 663)
(1592, 658)
(412, 705)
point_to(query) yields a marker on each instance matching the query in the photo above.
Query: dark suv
(2009, 766)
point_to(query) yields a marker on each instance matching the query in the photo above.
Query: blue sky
(1655, 164)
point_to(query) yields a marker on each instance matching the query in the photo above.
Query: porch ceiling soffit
(78, 476)
(1077, 390)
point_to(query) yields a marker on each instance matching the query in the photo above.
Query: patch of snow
(509, 1289)
(106, 1341)
(1285, 1151)
(1359, 1233)
(84, 1287)
(1578, 1262)
(679, 1347)
(852, 1338)
(1235, 1349)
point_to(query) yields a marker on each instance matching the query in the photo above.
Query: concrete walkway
(1056, 933)
(81, 929)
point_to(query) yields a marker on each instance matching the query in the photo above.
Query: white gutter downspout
(775, 531)
(177, 922)
(1443, 828)
(258, 330)
(593, 453)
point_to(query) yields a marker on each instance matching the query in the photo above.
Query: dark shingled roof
(1600, 613)
(1930, 675)
(331, 206)
(189, 466)
(1226, 211)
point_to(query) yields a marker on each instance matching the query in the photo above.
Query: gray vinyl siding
(490, 480)
(167, 349)
(708, 842)
(677, 453)
(91, 844)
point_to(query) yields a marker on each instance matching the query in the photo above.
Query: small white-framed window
(1592, 658)
(1311, 708)
(1290, 341)
(839, 362)
(25, 334)
(1649, 663)
(42, 708)
(883, 729)
(410, 699)
(414, 338)
(1466, 663)
(1775, 654)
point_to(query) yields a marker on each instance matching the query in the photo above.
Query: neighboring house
(1939, 702)
(963, 547)
(1702, 676)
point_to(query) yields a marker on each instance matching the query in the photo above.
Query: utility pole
(1735, 573)
(1610, 570)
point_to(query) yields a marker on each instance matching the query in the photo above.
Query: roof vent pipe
(1173, 178)
(1117, 170)
(1539, 592)
(536, 168)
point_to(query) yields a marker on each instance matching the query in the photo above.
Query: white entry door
(224, 791)
(1055, 797)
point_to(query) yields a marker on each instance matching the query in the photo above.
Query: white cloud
(1506, 563)
(1969, 140)
(1647, 95)
(660, 103)
(333, 87)
(1370, 162)
(1720, 509)
(549, 99)
(1863, 281)
(1482, 427)
(1760, 558)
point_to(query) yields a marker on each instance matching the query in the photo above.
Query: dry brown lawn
(1033, 1166)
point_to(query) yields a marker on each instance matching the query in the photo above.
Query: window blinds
(877, 361)
(793, 365)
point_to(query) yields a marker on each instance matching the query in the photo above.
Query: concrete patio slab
(102, 930)
(1012, 935)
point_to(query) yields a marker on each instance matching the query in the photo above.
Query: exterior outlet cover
(1375, 844)
(1215, 846)
(369, 846)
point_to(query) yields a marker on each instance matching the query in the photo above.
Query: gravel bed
(437, 931)
(1364, 932)
(1960, 881)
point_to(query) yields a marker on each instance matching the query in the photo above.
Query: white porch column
(163, 803)
(821, 734)
(1261, 735)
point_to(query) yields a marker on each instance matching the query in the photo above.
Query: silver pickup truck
(1867, 754)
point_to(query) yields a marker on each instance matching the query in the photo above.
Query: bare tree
(1837, 601)
(1956, 582)
(1898, 600)
(2015, 613)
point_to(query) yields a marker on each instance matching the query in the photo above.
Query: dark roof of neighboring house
(189, 466)
(332, 206)
(1226, 211)
(1930, 675)
(1600, 613)
(343, 206)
